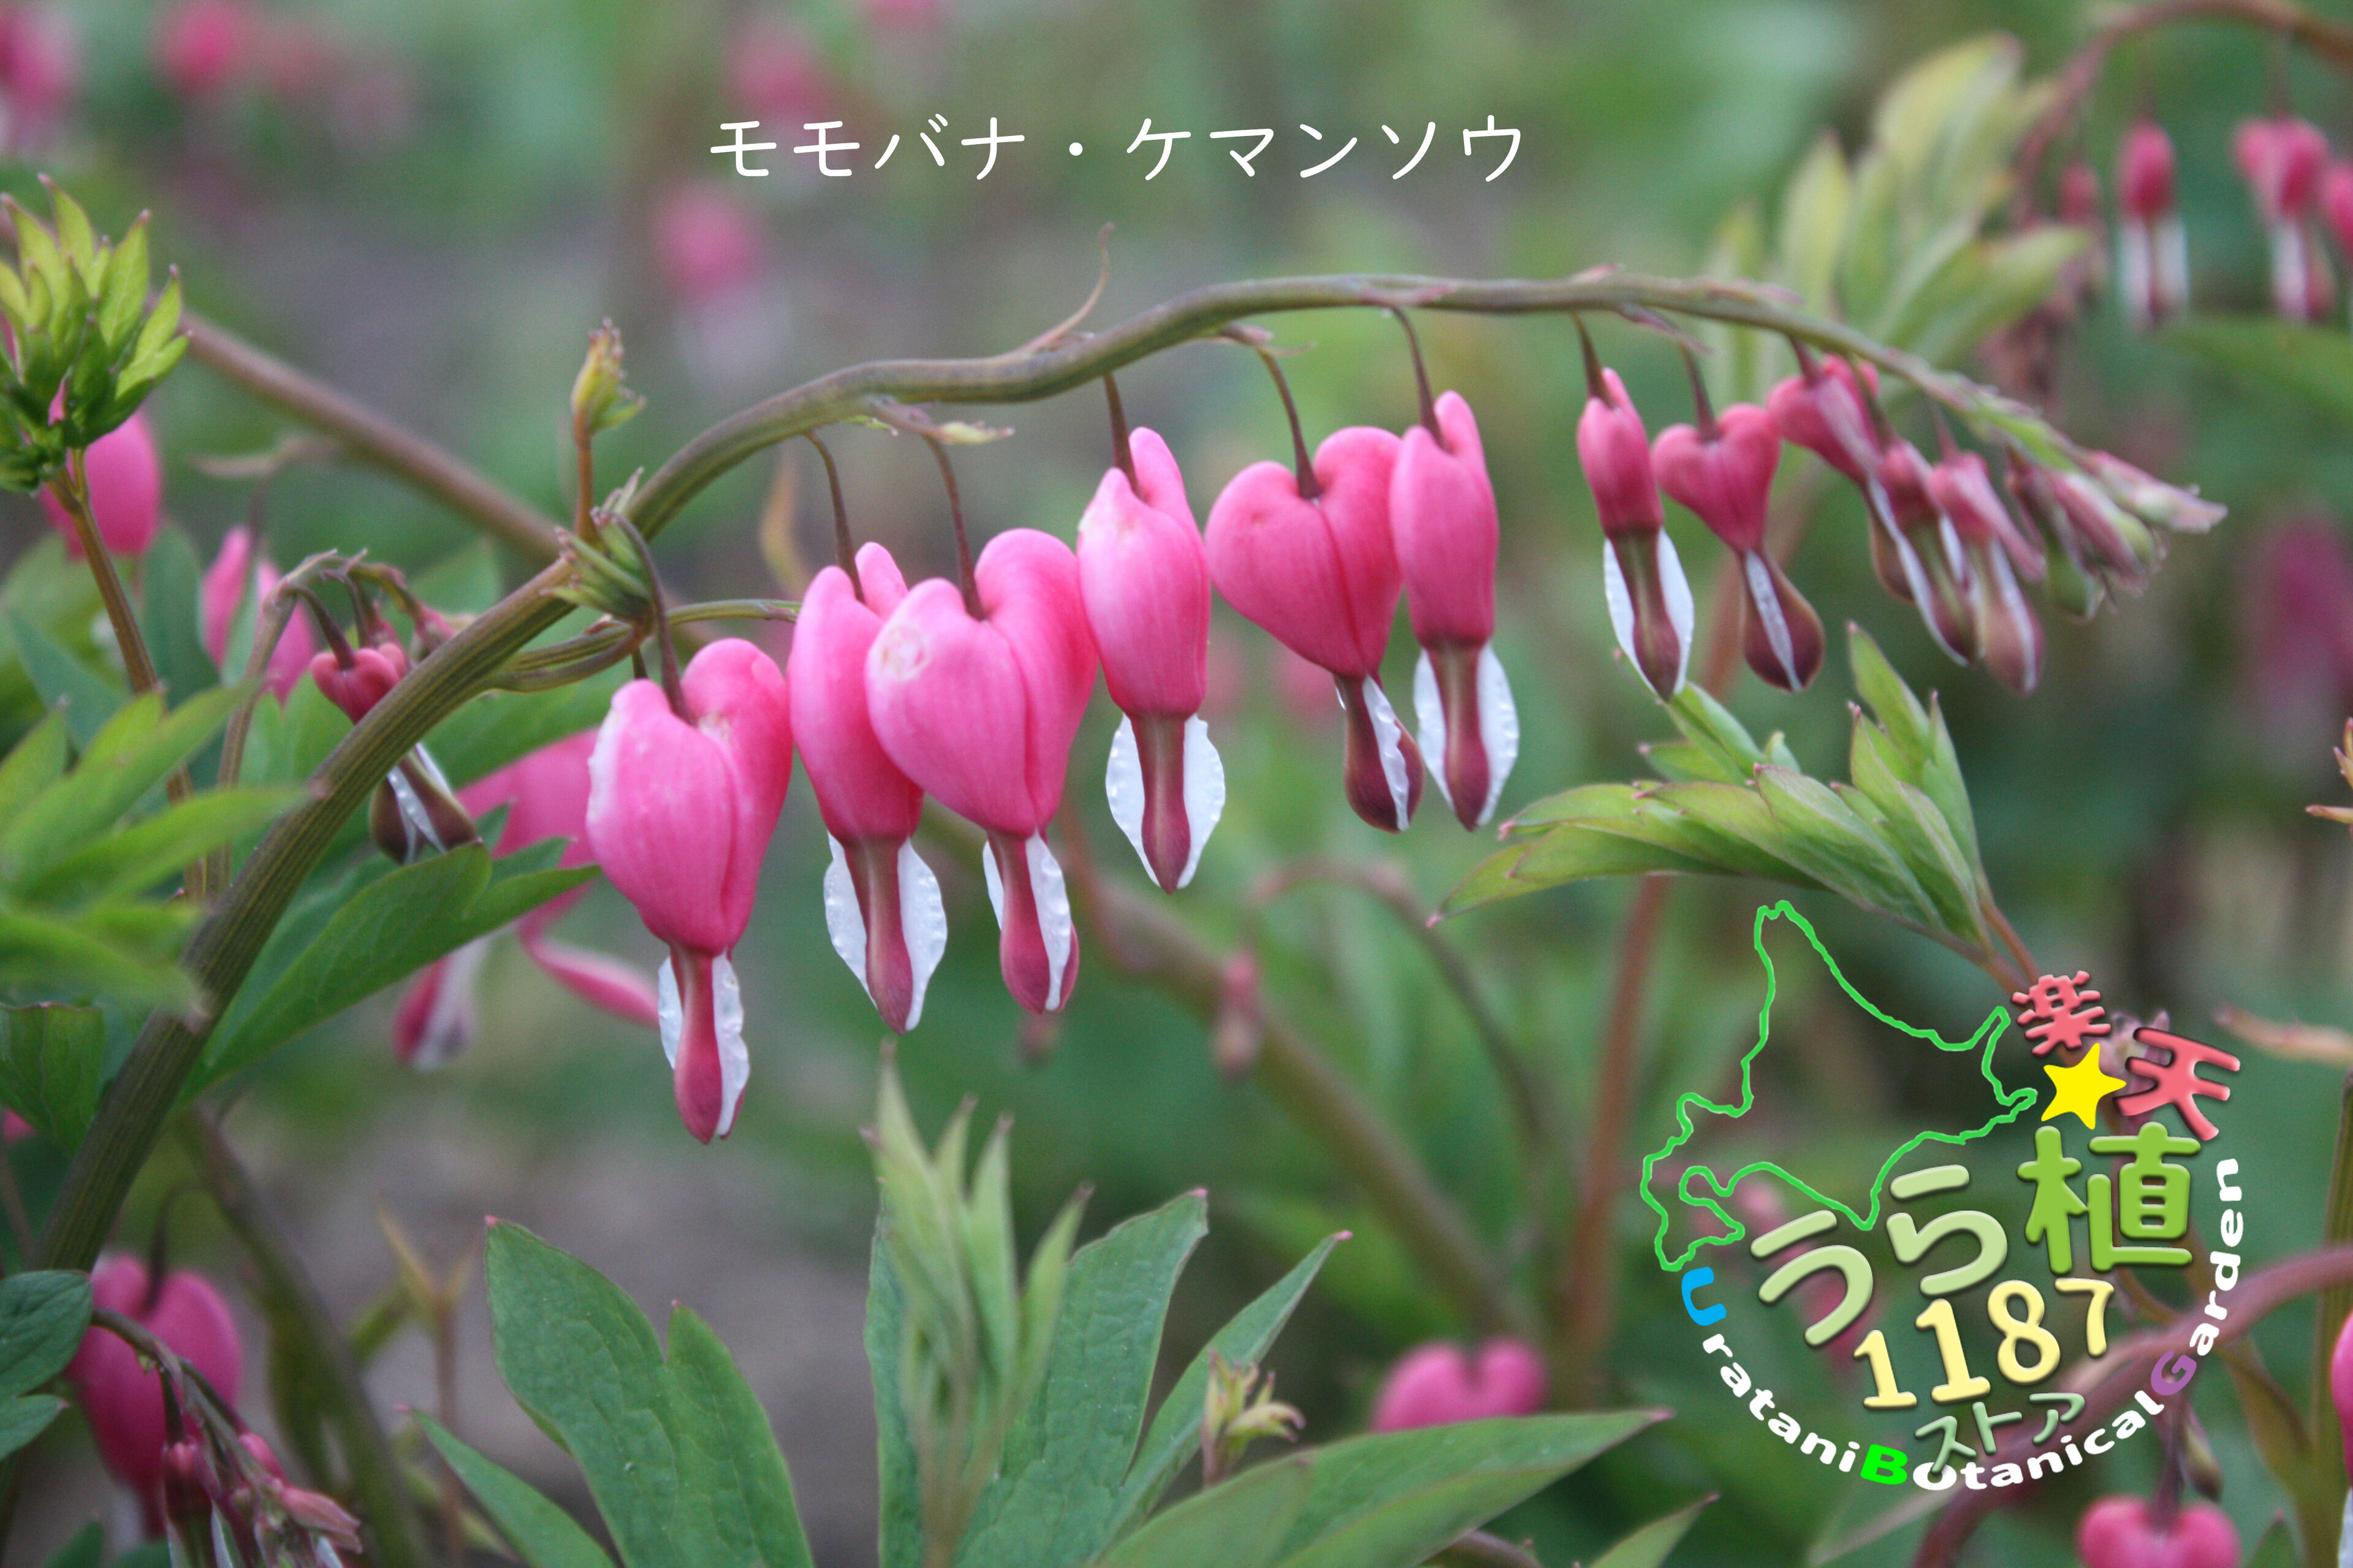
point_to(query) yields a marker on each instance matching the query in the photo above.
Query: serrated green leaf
(125, 293)
(132, 754)
(1678, 762)
(1822, 837)
(1813, 222)
(541, 1533)
(1891, 703)
(51, 1059)
(79, 956)
(42, 1317)
(1581, 803)
(1237, 1524)
(1058, 1488)
(75, 235)
(1576, 851)
(139, 856)
(1709, 725)
(386, 930)
(87, 699)
(1647, 1547)
(156, 334)
(1176, 1429)
(25, 1419)
(1926, 846)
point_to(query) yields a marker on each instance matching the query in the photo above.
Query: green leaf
(1058, 1490)
(669, 1450)
(2275, 1550)
(732, 1472)
(23, 1419)
(88, 697)
(900, 1520)
(1822, 837)
(1891, 701)
(1813, 222)
(75, 235)
(168, 607)
(1647, 1547)
(542, 1534)
(2311, 363)
(51, 1057)
(388, 930)
(86, 954)
(500, 727)
(32, 765)
(1176, 1432)
(1710, 726)
(1393, 1499)
(43, 1316)
(140, 855)
(86, 1546)
(125, 294)
(1236, 1524)
(138, 747)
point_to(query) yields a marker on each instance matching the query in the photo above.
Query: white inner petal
(1499, 727)
(924, 919)
(1766, 602)
(1915, 577)
(843, 923)
(1679, 605)
(2014, 606)
(412, 815)
(1956, 560)
(2136, 272)
(2172, 263)
(2289, 282)
(1053, 905)
(1205, 793)
(1430, 715)
(667, 1013)
(1386, 734)
(1621, 604)
(1124, 785)
(450, 1022)
(734, 1061)
(995, 880)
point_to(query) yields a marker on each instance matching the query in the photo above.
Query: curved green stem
(223, 949)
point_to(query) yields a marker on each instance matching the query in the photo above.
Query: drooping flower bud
(2152, 250)
(2283, 159)
(1437, 1384)
(233, 575)
(1442, 519)
(202, 46)
(1144, 577)
(1942, 585)
(680, 813)
(1725, 480)
(2123, 1533)
(2151, 500)
(980, 712)
(1650, 599)
(126, 491)
(883, 906)
(1319, 573)
(124, 1402)
(1822, 409)
(366, 680)
(2008, 634)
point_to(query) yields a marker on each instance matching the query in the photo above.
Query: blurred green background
(431, 204)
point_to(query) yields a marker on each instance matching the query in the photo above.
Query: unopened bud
(1236, 1412)
(415, 813)
(600, 400)
(2153, 501)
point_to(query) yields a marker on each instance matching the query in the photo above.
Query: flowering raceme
(1722, 469)
(234, 573)
(2152, 251)
(2283, 160)
(979, 709)
(1650, 599)
(883, 906)
(122, 1400)
(1314, 565)
(1143, 578)
(126, 490)
(1442, 521)
(680, 808)
(546, 797)
(2009, 637)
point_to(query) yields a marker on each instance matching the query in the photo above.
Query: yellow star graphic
(2080, 1088)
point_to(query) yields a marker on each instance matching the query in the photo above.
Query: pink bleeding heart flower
(2152, 249)
(2340, 1385)
(2336, 202)
(1144, 577)
(680, 812)
(706, 243)
(1650, 599)
(14, 1128)
(1442, 521)
(126, 491)
(1936, 567)
(1724, 476)
(1824, 409)
(546, 797)
(234, 573)
(882, 904)
(2283, 160)
(1319, 572)
(2122, 1533)
(774, 72)
(2000, 554)
(39, 71)
(980, 712)
(1436, 1384)
(367, 680)
(202, 46)
(124, 1402)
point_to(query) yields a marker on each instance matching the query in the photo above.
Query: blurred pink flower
(235, 573)
(126, 490)
(1436, 1384)
(2119, 1532)
(775, 74)
(123, 1401)
(908, 14)
(202, 47)
(40, 68)
(2297, 626)
(706, 243)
